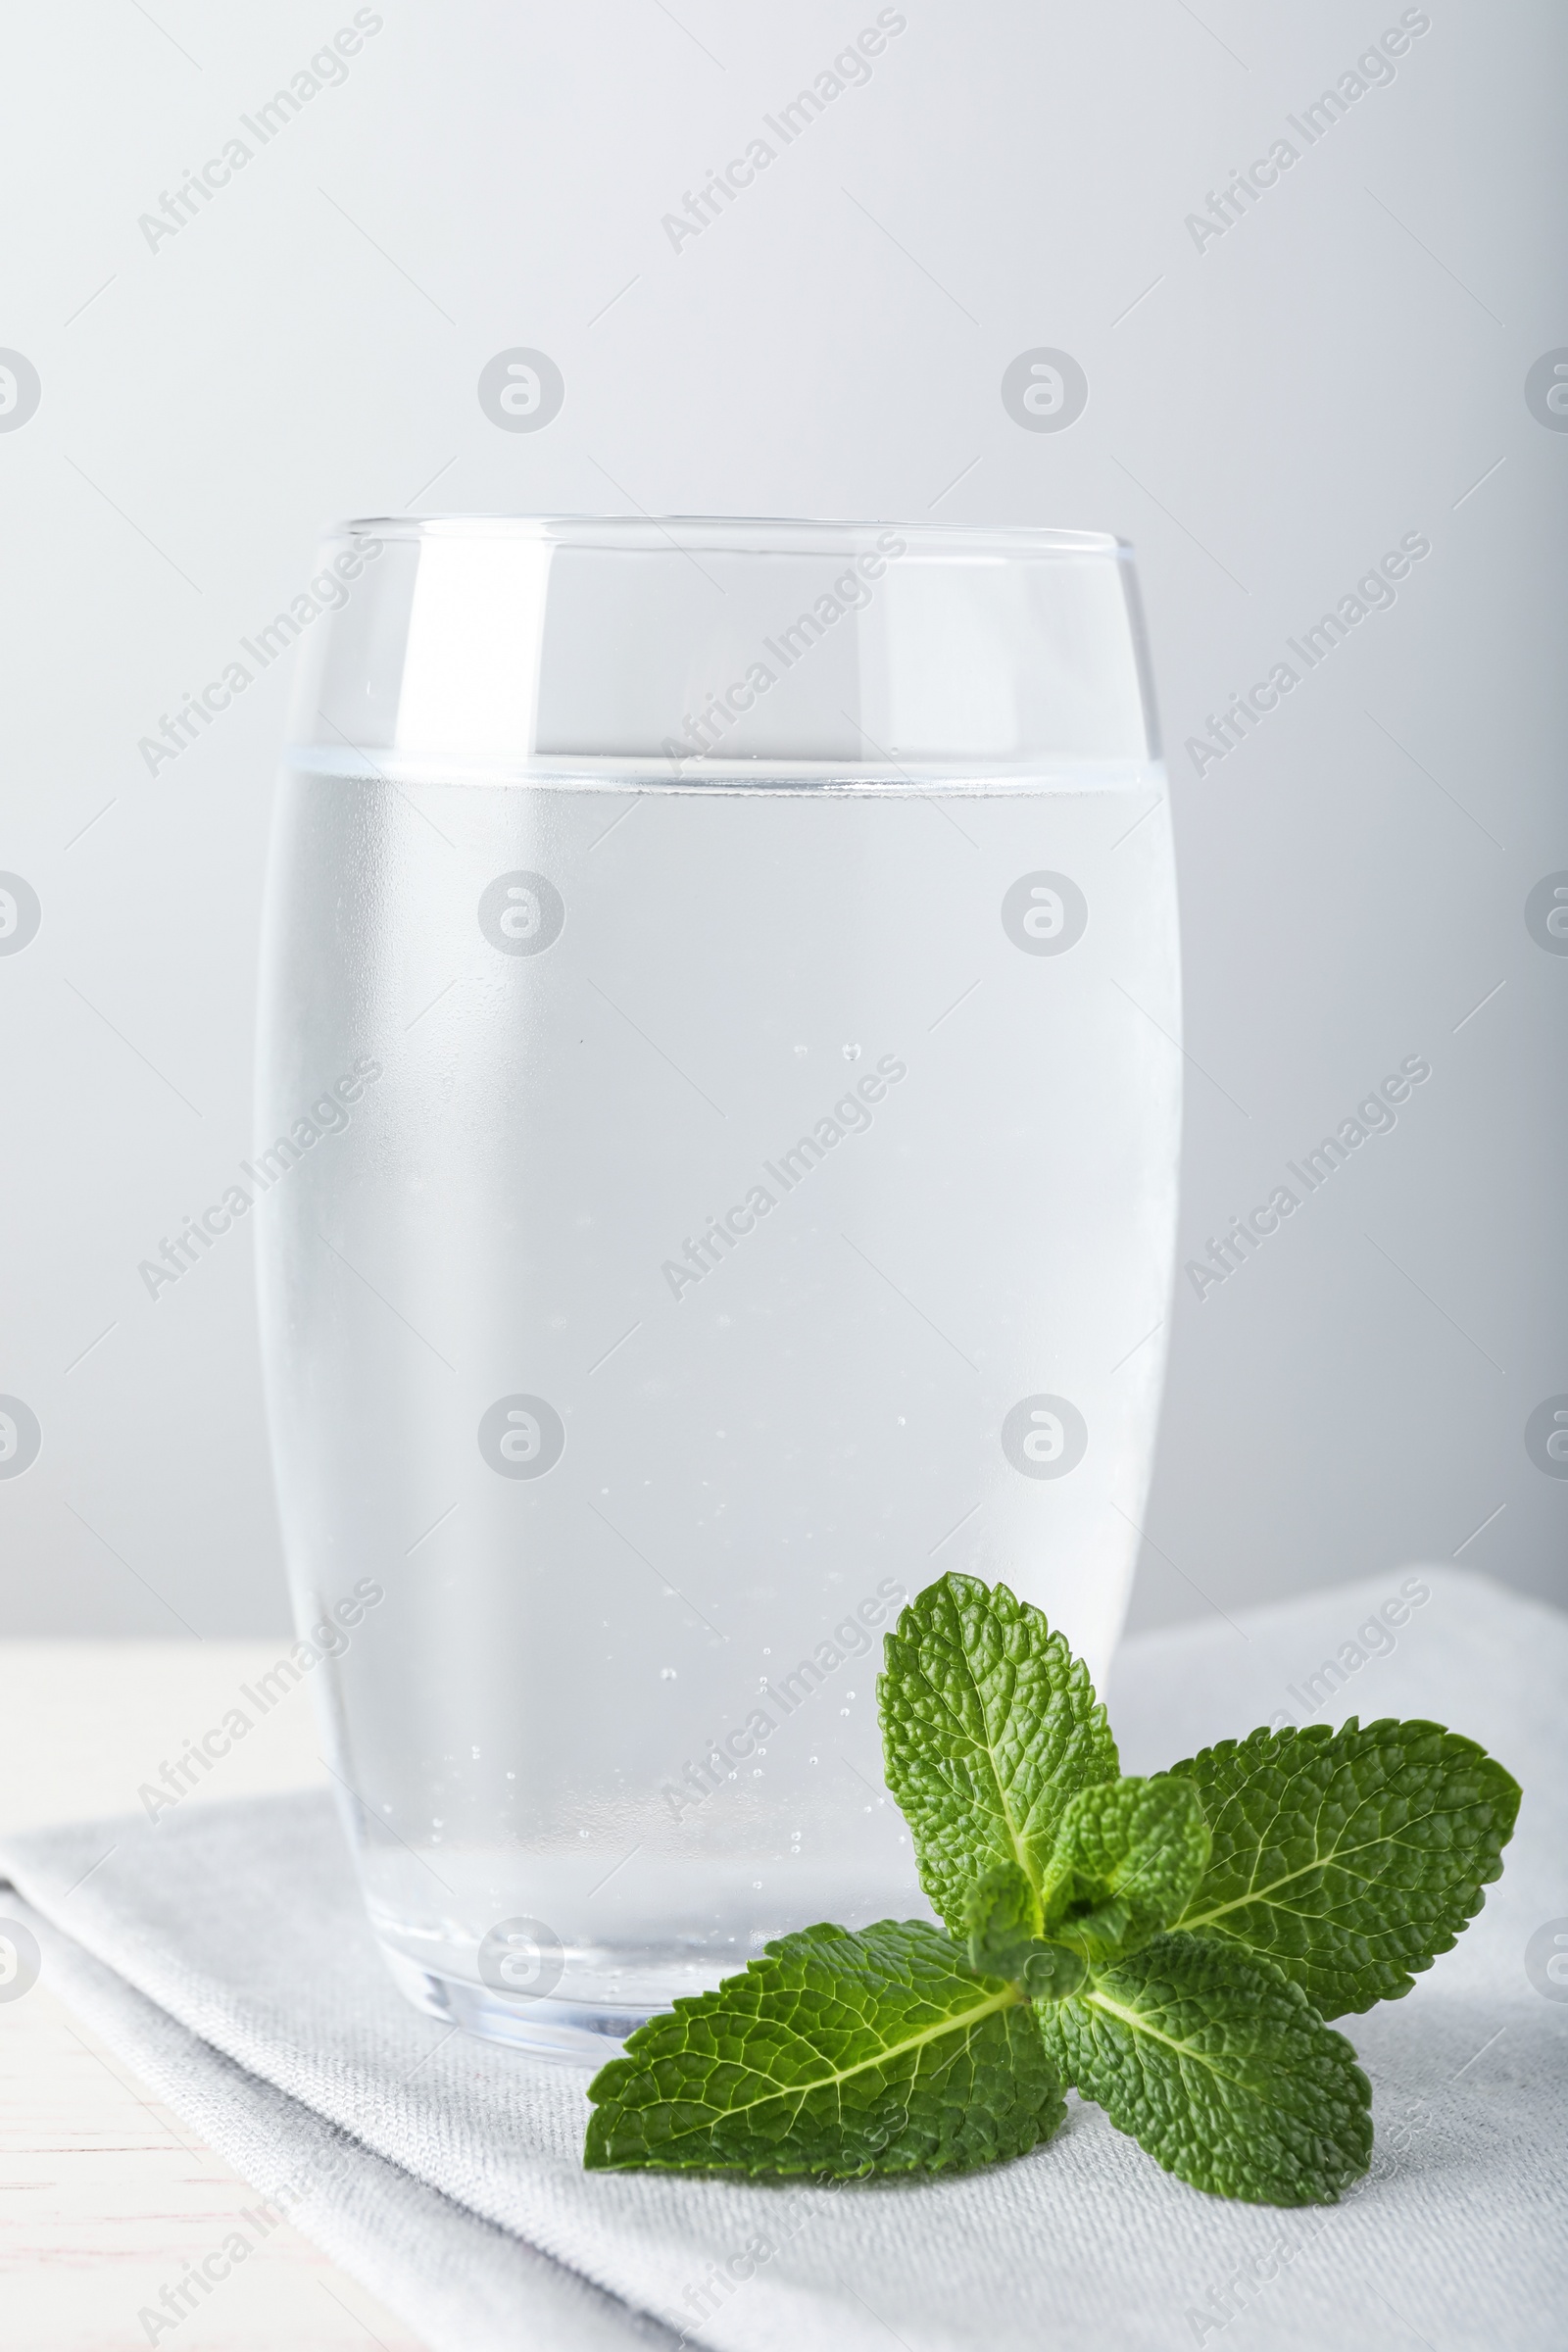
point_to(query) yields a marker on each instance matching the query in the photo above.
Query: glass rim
(648, 648)
(741, 534)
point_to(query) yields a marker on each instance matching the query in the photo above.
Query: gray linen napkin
(222, 1952)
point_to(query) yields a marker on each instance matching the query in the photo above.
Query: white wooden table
(106, 2197)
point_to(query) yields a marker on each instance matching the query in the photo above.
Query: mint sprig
(1167, 1947)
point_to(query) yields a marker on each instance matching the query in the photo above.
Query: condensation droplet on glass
(799, 1049)
(851, 1052)
(666, 1674)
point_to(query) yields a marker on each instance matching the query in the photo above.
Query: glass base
(576, 2032)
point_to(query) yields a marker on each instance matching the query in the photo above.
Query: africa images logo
(20, 390)
(19, 914)
(1545, 1436)
(522, 913)
(1044, 914)
(1045, 1437)
(20, 1437)
(1044, 390)
(521, 389)
(1545, 913)
(521, 1436)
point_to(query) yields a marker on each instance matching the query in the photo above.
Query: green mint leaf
(1128, 1856)
(1350, 1858)
(836, 2054)
(1221, 2068)
(989, 1725)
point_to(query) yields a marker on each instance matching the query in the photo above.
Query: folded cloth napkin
(222, 1952)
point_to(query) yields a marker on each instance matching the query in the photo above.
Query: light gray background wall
(1267, 415)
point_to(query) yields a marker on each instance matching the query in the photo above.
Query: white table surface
(106, 2197)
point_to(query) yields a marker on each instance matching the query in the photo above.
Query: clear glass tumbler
(718, 1116)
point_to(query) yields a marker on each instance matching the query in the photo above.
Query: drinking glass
(718, 1116)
